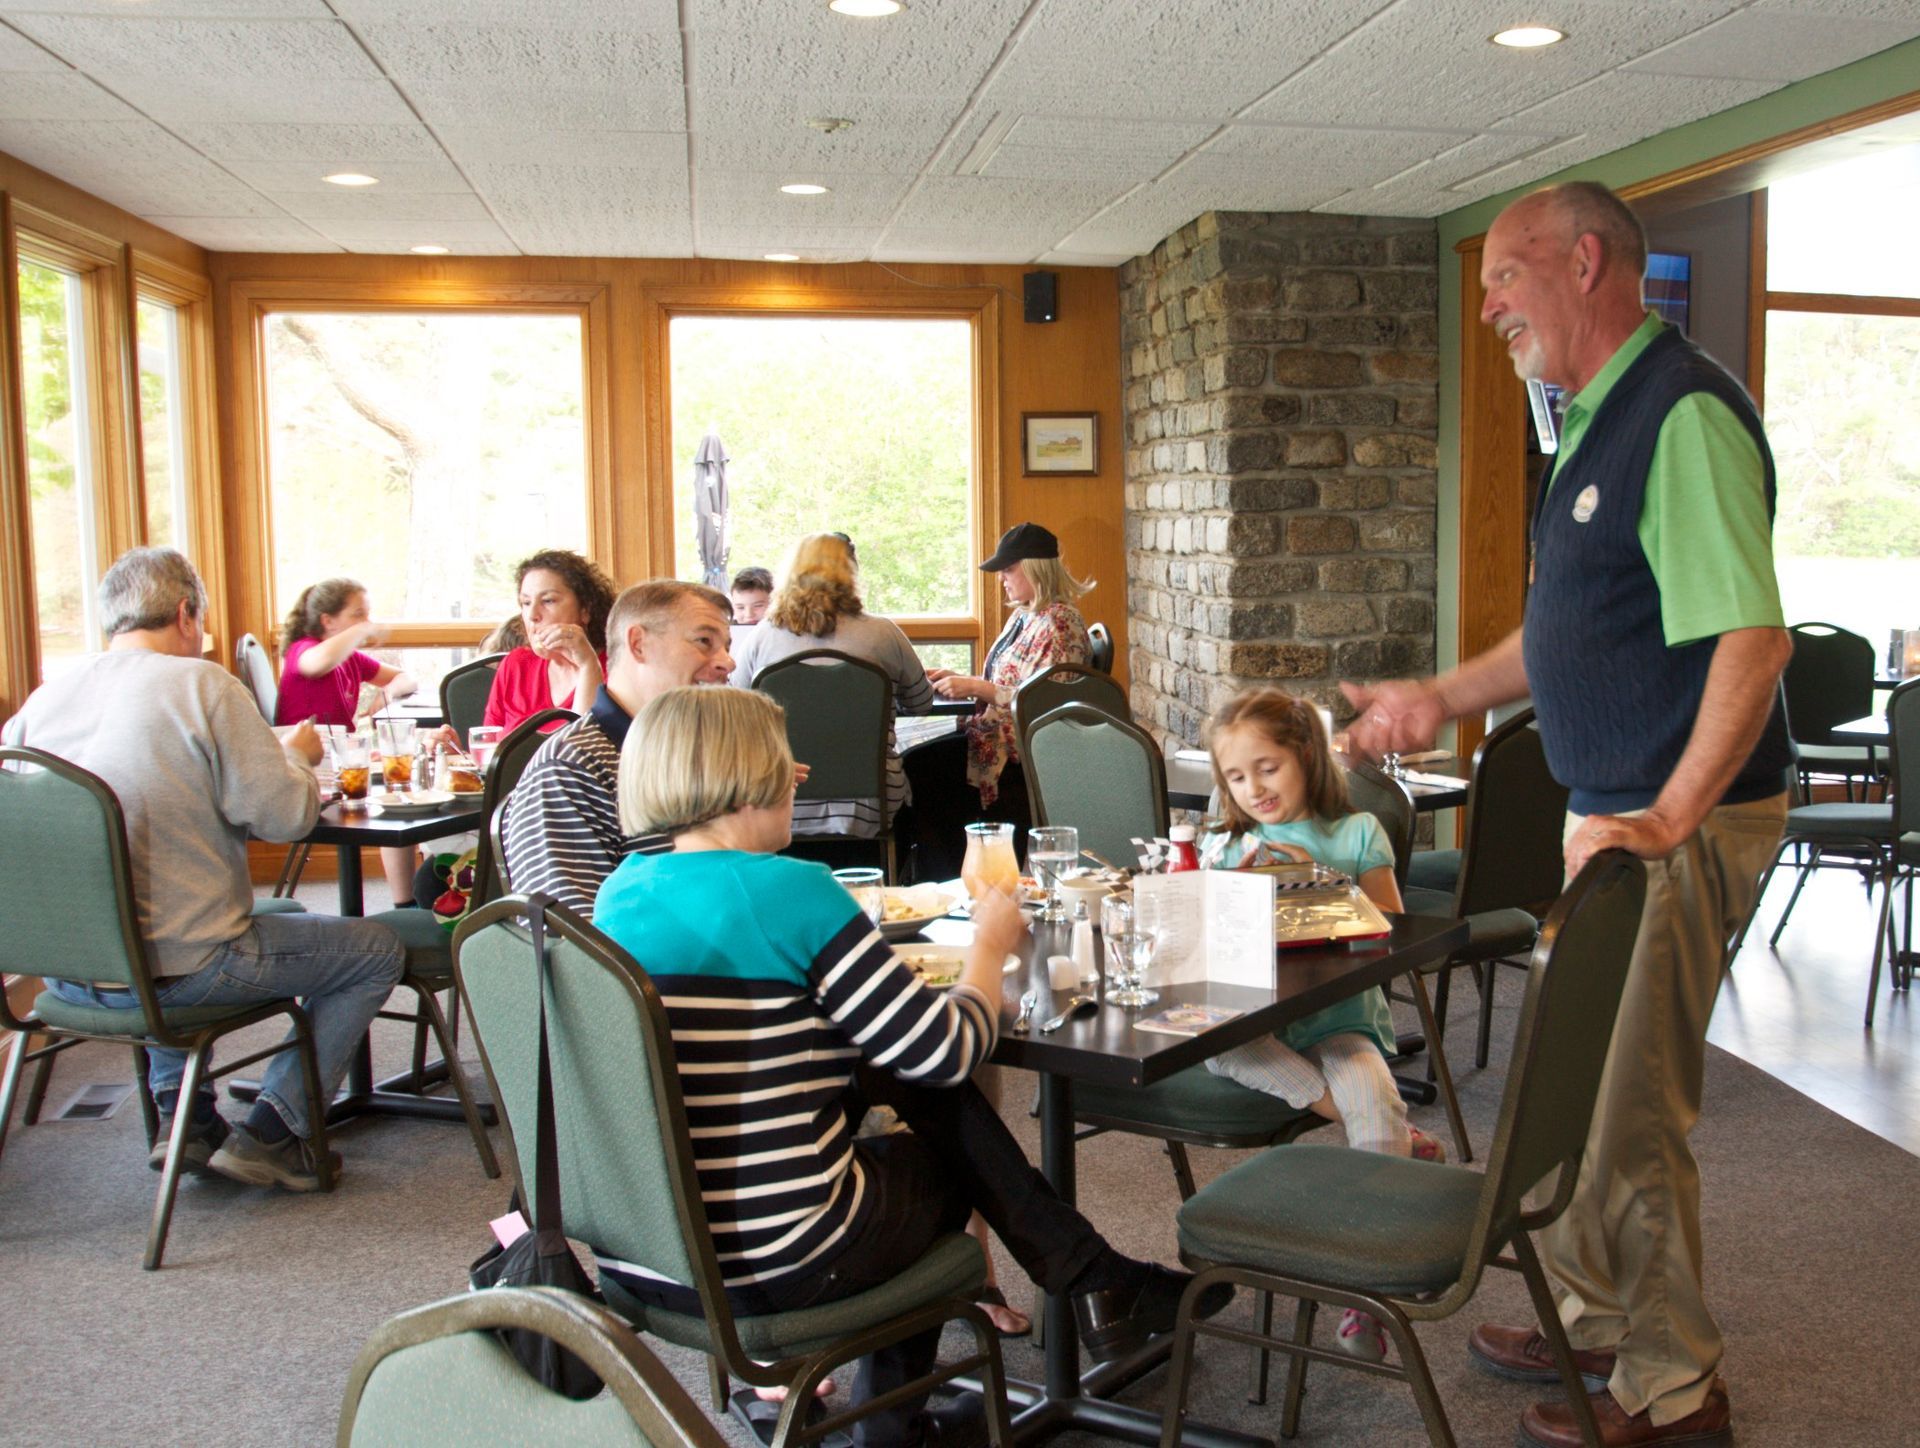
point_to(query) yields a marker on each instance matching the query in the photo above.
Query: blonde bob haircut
(1294, 725)
(821, 586)
(694, 755)
(1052, 583)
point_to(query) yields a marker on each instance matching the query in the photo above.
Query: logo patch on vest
(1584, 505)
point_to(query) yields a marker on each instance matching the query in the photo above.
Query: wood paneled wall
(1070, 364)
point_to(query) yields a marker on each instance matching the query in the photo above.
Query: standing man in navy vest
(1652, 646)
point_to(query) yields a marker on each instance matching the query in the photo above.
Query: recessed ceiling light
(866, 9)
(1529, 37)
(804, 188)
(781, 256)
(428, 250)
(351, 178)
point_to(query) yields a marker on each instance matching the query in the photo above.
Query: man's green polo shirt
(1704, 522)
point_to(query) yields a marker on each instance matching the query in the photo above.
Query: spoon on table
(1075, 1006)
(1101, 860)
(1025, 1018)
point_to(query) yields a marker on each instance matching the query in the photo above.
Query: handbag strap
(546, 1150)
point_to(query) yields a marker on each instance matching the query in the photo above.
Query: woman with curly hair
(564, 601)
(818, 607)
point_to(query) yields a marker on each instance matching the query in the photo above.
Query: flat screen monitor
(1543, 401)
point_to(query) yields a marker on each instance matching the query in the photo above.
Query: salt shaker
(1084, 958)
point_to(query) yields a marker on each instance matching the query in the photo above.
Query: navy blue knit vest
(1616, 705)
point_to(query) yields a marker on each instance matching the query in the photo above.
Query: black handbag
(541, 1257)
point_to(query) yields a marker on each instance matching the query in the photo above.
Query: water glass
(867, 887)
(1129, 951)
(482, 740)
(1051, 851)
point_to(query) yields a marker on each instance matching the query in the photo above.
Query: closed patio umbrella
(710, 509)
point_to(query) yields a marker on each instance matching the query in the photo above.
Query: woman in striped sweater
(777, 989)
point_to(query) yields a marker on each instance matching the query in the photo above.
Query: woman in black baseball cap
(1045, 629)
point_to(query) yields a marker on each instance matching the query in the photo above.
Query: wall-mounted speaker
(1042, 296)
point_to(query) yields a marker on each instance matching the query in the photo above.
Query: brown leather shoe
(1522, 1354)
(1552, 1425)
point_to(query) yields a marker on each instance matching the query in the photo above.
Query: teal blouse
(1353, 844)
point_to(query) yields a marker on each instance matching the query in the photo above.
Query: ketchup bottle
(1183, 856)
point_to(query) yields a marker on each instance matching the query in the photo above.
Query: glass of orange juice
(990, 864)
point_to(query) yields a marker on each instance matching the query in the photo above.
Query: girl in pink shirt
(322, 668)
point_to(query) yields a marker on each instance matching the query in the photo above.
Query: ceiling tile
(1087, 258)
(338, 203)
(184, 9)
(533, 56)
(129, 45)
(755, 130)
(472, 237)
(1756, 45)
(64, 95)
(490, 145)
(19, 53)
(394, 176)
(980, 203)
(487, 105)
(1618, 105)
(597, 14)
(560, 210)
(357, 145)
(1166, 139)
(852, 200)
(1475, 157)
(244, 233)
(1043, 163)
(784, 46)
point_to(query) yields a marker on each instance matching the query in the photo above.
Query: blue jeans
(341, 970)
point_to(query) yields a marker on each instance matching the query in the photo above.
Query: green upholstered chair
(1828, 680)
(440, 1374)
(254, 665)
(429, 944)
(839, 723)
(464, 692)
(628, 1182)
(1511, 863)
(66, 893)
(1060, 684)
(1408, 1240)
(1099, 773)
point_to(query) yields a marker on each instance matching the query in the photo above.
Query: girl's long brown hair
(1292, 724)
(329, 595)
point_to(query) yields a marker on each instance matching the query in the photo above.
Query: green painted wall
(1879, 77)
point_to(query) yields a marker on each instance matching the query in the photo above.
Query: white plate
(420, 802)
(943, 962)
(927, 903)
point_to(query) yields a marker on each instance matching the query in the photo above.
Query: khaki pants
(1625, 1258)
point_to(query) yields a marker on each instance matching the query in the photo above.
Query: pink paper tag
(509, 1229)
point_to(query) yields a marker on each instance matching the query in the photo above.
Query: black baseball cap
(1022, 540)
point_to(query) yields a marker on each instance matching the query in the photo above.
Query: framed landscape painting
(1060, 444)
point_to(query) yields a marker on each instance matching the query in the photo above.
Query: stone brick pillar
(1280, 403)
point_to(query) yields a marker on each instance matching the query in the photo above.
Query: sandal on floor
(761, 1416)
(994, 1297)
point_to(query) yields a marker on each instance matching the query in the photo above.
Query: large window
(1842, 390)
(860, 426)
(423, 453)
(60, 415)
(163, 426)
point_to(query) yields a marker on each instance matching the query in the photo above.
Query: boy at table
(196, 770)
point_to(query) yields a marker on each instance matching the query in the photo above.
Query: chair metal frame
(147, 1026)
(1060, 684)
(834, 783)
(799, 1374)
(1501, 1220)
(1100, 647)
(451, 680)
(664, 1413)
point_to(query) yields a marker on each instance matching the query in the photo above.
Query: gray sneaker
(290, 1164)
(202, 1143)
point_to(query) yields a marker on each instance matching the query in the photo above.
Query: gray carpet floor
(247, 1335)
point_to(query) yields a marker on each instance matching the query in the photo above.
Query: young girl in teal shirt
(1282, 796)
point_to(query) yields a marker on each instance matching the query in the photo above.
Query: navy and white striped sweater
(776, 987)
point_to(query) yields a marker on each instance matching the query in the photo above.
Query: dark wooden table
(1105, 1049)
(349, 832)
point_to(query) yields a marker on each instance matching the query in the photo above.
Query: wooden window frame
(252, 301)
(978, 306)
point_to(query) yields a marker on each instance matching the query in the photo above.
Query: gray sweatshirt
(197, 770)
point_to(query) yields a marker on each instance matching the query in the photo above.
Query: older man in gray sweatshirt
(197, 770)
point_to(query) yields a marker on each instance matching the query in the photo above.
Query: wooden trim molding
(1757, 300)
(977, 305)
(19, 638)
(1493, 484)
(1842, 304)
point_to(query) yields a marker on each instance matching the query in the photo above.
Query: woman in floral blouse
(1045, 629)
